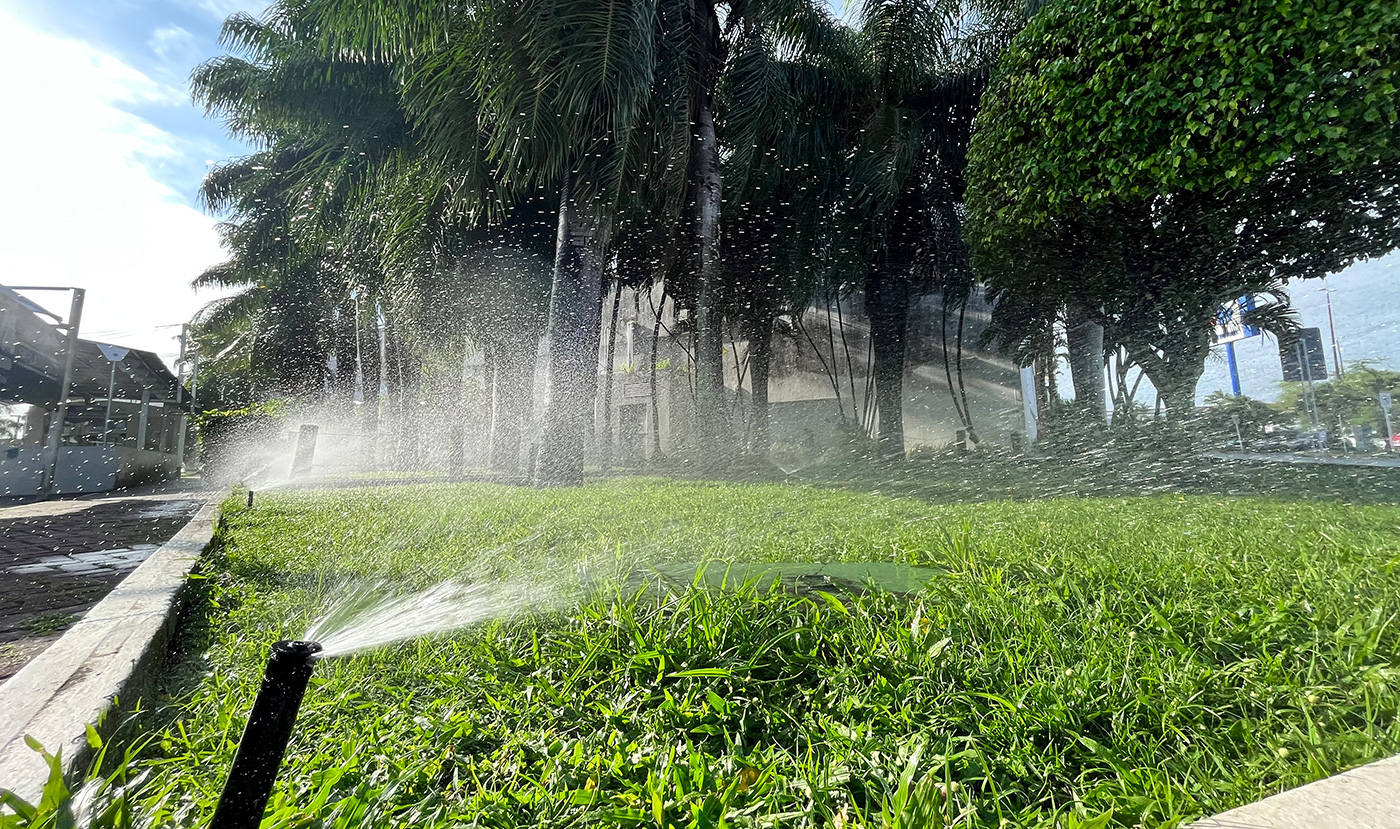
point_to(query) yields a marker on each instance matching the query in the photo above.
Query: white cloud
(224, 8)
(78, 206)
(174, 44)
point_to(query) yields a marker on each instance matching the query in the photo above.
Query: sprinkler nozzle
(250, 499)
(265, 738)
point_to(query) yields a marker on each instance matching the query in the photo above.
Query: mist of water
(371, 616)
(790, 467)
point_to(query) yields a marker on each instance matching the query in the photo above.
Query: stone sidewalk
(59, 558)
(1374, 461)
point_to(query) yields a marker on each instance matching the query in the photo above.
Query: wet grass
(1134, 660)
(999, 475)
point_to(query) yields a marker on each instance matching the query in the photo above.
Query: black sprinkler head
(265, 738)
(250, 499)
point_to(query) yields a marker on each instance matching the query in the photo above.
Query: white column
(180, 441)
(1030, 409)
(141, 423)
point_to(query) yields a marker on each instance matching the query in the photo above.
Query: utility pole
(180, 366)
(70, 348)
(1309, 398)
(1332, 329)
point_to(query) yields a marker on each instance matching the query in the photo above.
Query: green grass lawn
(1151, 657)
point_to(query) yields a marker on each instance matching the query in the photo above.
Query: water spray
(265, 738)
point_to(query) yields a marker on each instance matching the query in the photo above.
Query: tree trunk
(710, 356)
(511, 367)
(962, 384)
(887, 302)
(575, 311)
(1084, 337)
(706, 186)
(604, 433)
(456, 451)
(1176, 388)
(1176, 383)
(1174, 361)
(760, 358)
(411, 421)
(652, 390)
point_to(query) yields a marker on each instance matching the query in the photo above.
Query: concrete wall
(21, 471)
(84, 469)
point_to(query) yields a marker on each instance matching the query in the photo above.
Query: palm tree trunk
(456, 451)
(510, 365)
(653, 391)
(887, 301)
(575, 311)
(604, 436)
(760, 359)
(709, 339)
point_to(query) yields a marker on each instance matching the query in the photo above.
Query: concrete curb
(117, 650)
(1367, 797)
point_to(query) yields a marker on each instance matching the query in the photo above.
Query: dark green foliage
(1150, 160)
(1351, 400)
(1254, 416)
(1109, 102)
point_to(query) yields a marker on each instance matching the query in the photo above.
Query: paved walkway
(1308, 457)
(59, 558)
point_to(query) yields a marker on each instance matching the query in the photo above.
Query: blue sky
(163, 40)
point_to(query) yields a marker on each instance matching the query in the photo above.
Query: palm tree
(701, 57)
(352, 188)
(322, 129)
(556, 88)
(926, 63)
(782, 122)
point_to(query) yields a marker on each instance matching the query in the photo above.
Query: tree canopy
(1140, 162)
(1116, 100)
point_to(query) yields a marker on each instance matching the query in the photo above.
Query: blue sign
(1229, 322)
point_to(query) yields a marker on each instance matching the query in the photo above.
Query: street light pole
(70, 348)
(1332, 330)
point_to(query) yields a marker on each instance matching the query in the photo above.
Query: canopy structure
(123, 422)
(31, 362)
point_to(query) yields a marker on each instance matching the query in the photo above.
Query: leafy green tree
(1143, 161)
(1254, 416)
(1350, 400)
